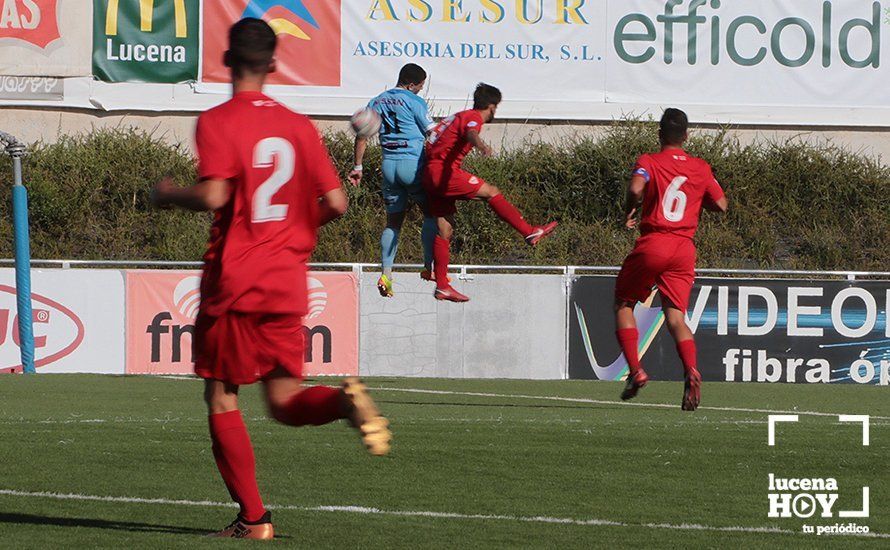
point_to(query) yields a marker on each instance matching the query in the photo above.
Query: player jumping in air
(266, 174)
(672, 188)
(406, 122)
(446, 183)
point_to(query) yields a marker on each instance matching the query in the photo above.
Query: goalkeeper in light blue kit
(405, 123)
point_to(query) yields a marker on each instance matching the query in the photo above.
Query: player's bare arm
(721, 205)
(634, 198)
(208, 194)
(355, 175)
(332, 205)
(476, 140)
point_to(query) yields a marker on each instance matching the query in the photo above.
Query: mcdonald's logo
(146, 17)
(146, 40)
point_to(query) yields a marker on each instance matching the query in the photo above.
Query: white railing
(465, 270)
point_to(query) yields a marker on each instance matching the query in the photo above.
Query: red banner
(308, 32)
(33, 21)
(162, 306)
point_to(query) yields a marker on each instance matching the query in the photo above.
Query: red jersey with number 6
(261, 240)
(676, 185)
(447, 143)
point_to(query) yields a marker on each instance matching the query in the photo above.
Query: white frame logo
(805, 498)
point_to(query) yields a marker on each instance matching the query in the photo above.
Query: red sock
(687, 352)
(234, 458)
(628, 339)
(313, 406)
(441, 255)
(510, 214)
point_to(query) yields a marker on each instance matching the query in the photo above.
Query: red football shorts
(445, 185)
(242, 348)
(661, 259)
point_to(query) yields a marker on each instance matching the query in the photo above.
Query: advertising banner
(32, 87)
(546, 52)
(78, 321)
(828, 53)
(553, 59)
(162, 307)
(146, 41)
(745, 330)
(309, 34)
(45, 38)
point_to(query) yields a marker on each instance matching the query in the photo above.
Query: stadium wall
(524, 326)
(47, 125)
(512, 328)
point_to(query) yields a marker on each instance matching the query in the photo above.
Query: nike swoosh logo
(649, 321)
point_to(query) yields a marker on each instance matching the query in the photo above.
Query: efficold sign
(32, 21)
(78, 321)
(146, 40)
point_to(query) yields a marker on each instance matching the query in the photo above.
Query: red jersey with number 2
(676, 185)
(447, 144)
(260, 242)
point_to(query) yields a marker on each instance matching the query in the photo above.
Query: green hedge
(793, 205)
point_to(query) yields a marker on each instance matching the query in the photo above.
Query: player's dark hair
(485, 95)
(673, 127)
(411, 75)
(252, 45)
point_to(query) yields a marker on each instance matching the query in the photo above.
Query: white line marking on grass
(117, 420)
(584, 400)
(415, 513)
(604, 402)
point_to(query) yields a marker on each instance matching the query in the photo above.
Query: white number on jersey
(277, 152)
(674, 203)
(439, 129)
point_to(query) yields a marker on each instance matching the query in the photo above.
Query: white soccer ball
(365, 122)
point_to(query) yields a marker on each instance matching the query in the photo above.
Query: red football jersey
(447, 143)
(676, 184)
(260, 241)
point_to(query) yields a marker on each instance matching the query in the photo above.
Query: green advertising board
(146, 40)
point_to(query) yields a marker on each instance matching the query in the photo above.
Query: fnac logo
(309, 36)
(146, 17)
(33, 21)
(318, 298)
(168, 328)
(58, 331)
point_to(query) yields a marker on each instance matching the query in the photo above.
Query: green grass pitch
(502, 468)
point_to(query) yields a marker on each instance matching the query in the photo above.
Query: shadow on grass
(132, 527)
(6, 517)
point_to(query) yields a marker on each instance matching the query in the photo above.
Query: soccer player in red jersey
(672, 188)
(266, 174)
(446, 182)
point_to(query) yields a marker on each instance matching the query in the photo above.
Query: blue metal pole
(22, 260)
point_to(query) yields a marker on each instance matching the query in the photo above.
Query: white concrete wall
(47, 125)
(513, 327)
